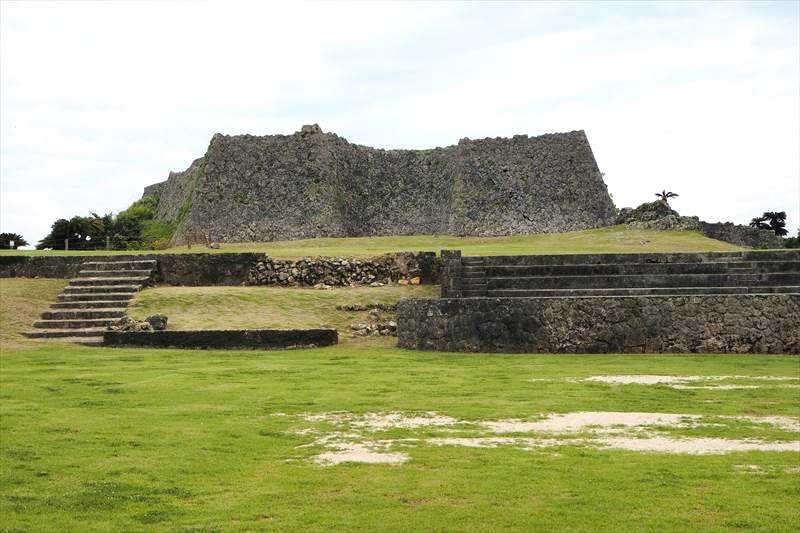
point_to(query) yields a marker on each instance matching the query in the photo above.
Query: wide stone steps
(662, 291)
(137, 280)
(60, 314)
(92, 304)
(639, 269)
(98, 298)
(644, 281)
(85, 296)
(148, 265)
(54, 333)
(590, 259)
(101, 289)
(114, 273)
(77, 323)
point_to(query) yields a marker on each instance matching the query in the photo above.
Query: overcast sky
(98, 100)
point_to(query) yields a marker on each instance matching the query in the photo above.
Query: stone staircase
(767, 272)
(96, 299)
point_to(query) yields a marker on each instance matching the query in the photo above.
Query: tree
(664, 196)
(771, 220)
(7, 238)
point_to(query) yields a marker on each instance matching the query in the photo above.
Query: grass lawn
(268, 307)
(99, 439)
(617, 239)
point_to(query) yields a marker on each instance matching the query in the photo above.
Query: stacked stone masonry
(315, 184)
(738, 302)
(198, 269)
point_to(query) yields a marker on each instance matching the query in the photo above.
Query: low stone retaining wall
(418, 267)
(197, 269)
(741, 235)
(263, 339)
(647, 324)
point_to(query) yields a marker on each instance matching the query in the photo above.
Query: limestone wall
(315, 184)
(646, 324)
(198, 269)
(741, 235)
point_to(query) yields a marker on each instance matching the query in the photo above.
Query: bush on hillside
(133, 228)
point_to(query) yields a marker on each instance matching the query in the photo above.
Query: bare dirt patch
(353, 439)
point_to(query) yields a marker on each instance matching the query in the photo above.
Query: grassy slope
(613, 239)
(21, 303)
(266, 307)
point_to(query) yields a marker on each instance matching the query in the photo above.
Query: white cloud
(98, 100)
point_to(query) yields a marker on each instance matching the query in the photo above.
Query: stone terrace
(745, 302)
(621, 274)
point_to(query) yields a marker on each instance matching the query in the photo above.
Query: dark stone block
(263, 339)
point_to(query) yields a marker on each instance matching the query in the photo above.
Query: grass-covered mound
(616, 239)
(269, 307)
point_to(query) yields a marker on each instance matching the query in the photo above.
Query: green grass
(101, 439)
(268, 307)
(616, 239)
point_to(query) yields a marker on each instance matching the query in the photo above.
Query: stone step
(643, 268)
(75, 323)
(101, 289)
(84, 296)
(114, 273)
(132, 280)
(91, 304)
(582, 259)
(86, 341)
(148, 264)
(62, 333)
(59, 314)
(646, 281)
(661, 291)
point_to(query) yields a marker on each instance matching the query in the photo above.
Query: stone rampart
(315, 184)
(752, 323)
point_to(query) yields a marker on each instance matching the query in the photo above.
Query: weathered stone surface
(659, 216)
(647, 324)
(741, 235)
(197, 269)
(127, 323)
(315, 184)
(340, 271)
(157, 322)
(223, 340)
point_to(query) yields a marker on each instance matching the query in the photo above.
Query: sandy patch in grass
(686, 382)
(363, 452)
(384, 421)
(697, 445)
(352, 439)
(650, 379)
(598, 421)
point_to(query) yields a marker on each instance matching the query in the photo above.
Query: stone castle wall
(315, 184)
(741, 323)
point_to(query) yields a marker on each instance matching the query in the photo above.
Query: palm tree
(771, 220)
(664, 196)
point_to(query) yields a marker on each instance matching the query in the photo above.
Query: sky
(100, 99)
